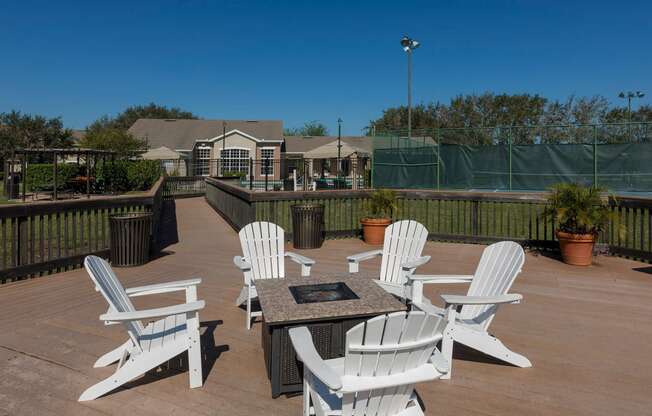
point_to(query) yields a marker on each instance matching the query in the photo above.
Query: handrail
(459, 216)
(41, 237)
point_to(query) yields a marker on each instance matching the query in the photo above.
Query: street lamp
(339, 145)
(409, 45)
(629, 95)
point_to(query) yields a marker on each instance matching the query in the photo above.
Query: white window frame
(270, 168)
(238, 159)
(203, 164)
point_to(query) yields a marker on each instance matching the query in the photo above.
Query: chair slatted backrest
(262, 247)
(499, 265)
(391, 332)
(107, 283)
(404, 241)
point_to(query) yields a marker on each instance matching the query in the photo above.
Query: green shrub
(112, 177)
(579, 209)
(127, 175)
(142, 174)
(382, 204)
(40, 176)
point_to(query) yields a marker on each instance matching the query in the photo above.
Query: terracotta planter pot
(576, 249)
(373, 230)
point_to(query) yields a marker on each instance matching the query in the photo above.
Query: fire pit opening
(325, 292)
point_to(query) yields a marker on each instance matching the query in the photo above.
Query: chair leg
(194, 352)
(242, 296)
(306, 392)
(129, 371)
(447, 350)
(113, 356)
(491, 346)
(249, 310)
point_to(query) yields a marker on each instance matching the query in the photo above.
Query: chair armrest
(481, 300)
(413, 264)
(153, 313)
(241, 263)
(416, 282)
(306, 352)
(453, 278)
(162, 287)
(425, 372)
(298, 258)
(304, 261)
(355, 259)
(364, 256)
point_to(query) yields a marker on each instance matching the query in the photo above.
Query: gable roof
(304, 144)
(179, 134)
(329, 150)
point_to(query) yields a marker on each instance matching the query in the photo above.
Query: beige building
(214, 147)
(238, 147)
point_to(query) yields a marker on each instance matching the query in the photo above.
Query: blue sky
(300, 61)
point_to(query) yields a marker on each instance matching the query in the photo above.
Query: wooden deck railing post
(475, 210)
(22, 244)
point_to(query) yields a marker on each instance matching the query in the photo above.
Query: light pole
(629, 95)
(339, 145)
(409, 45)
(223, 135)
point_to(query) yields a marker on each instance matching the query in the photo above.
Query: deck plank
(586, 330)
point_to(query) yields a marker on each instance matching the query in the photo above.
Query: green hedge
(40, 176)
(127, 175)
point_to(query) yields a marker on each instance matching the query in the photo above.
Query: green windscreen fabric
(618, 167)
(414, 167)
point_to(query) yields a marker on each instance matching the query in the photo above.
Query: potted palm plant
(581, 214)
(381, 207)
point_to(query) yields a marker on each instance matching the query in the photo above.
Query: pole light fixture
(629, 95)
(409, 45)
(339, 146)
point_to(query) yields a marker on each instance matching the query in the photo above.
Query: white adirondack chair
(385, 357)
(497, 270)
(401, 255)
(175, 331)
(263, 257)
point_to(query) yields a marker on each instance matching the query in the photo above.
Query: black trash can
(12, 186)
(308, 225)
(130, 238)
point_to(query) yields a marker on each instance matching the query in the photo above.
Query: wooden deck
(587, 331)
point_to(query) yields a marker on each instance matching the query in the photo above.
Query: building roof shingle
(177, 134)
(304, 144)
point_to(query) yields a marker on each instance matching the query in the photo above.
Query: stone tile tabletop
(279, 306)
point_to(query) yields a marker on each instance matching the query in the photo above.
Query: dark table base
(283, 369)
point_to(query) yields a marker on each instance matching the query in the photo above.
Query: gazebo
(20, 160)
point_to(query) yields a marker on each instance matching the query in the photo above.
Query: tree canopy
(20, 130)
(110, 133)
(310, 128)
(493, 110)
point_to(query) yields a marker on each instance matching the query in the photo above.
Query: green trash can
(129, 238)
(308, 225)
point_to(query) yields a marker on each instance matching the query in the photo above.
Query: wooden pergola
(21, 155)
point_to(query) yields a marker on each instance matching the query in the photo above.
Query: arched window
(234, 161)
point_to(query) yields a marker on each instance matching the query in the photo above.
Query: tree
(128, 117)
(112, 139)
(19, 130)
(310, 128)
(491, 118)
(110, 133)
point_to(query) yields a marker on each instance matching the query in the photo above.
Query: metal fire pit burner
(326, 292)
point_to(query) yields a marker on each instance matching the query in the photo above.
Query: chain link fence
(614, 156)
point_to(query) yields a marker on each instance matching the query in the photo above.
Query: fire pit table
(328, 306)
